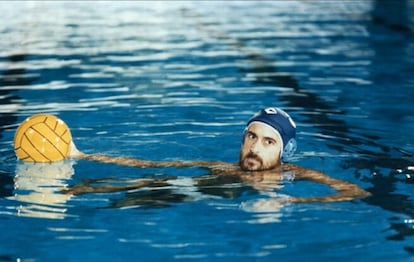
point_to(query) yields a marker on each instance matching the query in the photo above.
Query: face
(261, 148)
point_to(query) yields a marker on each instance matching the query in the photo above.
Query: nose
(254, 148)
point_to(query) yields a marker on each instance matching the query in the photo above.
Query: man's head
(269, 137)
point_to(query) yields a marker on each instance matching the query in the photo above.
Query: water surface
(178, 81)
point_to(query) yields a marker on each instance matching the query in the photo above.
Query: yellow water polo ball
(42, 138)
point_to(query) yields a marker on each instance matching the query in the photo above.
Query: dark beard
(253, 156)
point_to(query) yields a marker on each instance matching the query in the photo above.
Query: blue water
(178, 81)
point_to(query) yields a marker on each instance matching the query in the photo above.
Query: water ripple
(179, 81)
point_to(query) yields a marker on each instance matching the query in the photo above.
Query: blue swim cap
(283, 124)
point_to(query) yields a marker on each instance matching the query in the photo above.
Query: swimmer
(268, 143)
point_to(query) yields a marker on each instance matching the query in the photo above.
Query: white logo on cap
(274, 111)
(271, 111)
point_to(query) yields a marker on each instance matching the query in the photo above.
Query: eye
(251, 135)
(270, 142)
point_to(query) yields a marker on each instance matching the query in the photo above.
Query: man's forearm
(133, 162)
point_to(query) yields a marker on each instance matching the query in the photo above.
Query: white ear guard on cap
(289, 150)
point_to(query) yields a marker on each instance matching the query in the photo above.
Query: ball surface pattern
(42, 138)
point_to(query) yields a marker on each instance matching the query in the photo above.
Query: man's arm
(345, 190)
(133, 162)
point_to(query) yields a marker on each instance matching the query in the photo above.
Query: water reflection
(37, 189)
(13, 76)
(265, 210)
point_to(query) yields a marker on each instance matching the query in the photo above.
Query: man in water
(268, 143)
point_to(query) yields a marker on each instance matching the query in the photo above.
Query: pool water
(178, 81)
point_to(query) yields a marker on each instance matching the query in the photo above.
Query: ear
(289, 150)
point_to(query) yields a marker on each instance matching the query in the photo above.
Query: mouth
(252, 162)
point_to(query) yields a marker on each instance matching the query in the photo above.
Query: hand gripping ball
(42, 138)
